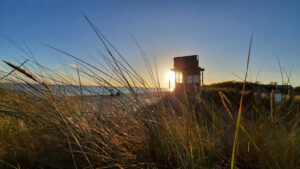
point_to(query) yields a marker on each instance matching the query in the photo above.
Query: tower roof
(186, 62)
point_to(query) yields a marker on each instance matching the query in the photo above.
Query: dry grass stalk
(227, 104)
(37, 89)
(13, 70)
(28, 74)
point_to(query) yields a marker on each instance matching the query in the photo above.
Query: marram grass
(43, 128)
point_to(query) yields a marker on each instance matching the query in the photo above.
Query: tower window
(193, 79)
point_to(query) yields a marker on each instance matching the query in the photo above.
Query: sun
(170, 79)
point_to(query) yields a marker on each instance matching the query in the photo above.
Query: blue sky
(217, 30)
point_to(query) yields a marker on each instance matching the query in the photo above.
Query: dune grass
(42, 127)
(58, 133)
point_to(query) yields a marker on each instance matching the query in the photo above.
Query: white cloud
(73, 66)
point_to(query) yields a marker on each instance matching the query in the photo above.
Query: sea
(76, 90)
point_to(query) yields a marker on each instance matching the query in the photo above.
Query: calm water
(69, 90)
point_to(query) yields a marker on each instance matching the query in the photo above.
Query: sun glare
(170, 79)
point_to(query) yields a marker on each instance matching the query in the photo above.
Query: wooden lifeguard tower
(188, 74)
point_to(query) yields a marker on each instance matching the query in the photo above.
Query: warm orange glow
(170, 79)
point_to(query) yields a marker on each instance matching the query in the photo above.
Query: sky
(217, 30)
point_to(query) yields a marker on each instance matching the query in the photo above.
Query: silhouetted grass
(42, 127)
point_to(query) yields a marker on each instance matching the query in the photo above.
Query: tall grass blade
(236, 133)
